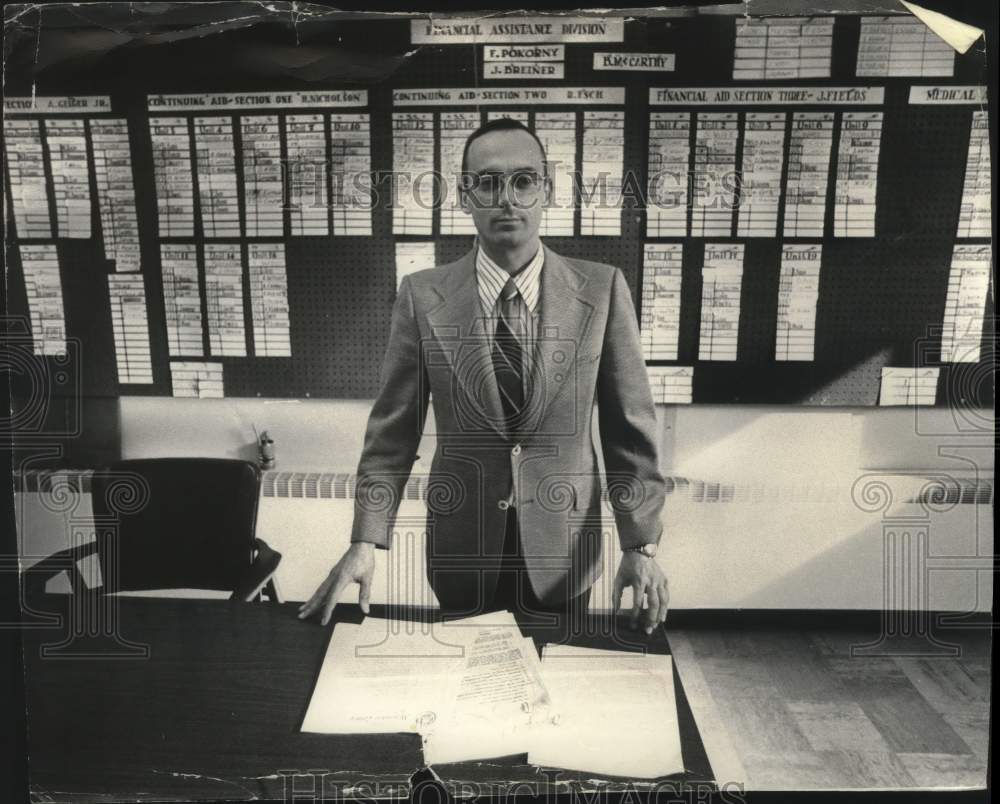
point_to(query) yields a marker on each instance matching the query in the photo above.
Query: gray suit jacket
(588, 351)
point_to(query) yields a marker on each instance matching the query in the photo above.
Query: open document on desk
(471, 687)
(475, 689)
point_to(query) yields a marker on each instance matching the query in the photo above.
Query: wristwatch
(648, 550)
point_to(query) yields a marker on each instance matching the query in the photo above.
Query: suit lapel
(460, 331)
(565, 314)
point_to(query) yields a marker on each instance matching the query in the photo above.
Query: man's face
(505, 207)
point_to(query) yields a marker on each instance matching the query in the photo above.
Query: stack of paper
(475, 689)
(616, 713)
(497, 701)
(470, 687)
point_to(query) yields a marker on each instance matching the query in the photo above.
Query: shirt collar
(492, 278)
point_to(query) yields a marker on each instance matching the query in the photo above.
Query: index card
(669, 163)
(43, 287)
(760, 188)
(116, 192)
(974, 220)
(412, 165)
(857, 174)
(411, 257)
(262, 186)
(351, 155)
(798, 292)
(70, 167)
(133, 358)
(305, 135)
(26, 168)
(809, 149)
(216, 157)
(182, 299)
(172, 173)
(269, 300)
(908, 386)
(661, 300)
(722, 281)
(224, 299)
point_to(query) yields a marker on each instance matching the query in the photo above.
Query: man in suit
(514, 343)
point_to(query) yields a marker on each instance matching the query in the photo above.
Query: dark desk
(214, 712)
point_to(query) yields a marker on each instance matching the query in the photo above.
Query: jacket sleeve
(627, 422)
(395, 425)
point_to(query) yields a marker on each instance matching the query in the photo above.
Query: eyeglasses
(523, 186)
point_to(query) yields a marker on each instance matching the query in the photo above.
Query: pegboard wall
(881, 298)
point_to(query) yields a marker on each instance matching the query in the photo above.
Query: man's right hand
(357, 565)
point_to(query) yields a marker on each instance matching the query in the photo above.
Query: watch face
(649, 550)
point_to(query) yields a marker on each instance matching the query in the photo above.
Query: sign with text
(464, 31)
(508, 95)
(647, 62)
(523, 69)
(524, 52)
(766, 96)
(62, 104)
(973, 96)
(259, 100)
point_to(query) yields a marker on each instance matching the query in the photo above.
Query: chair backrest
(175, 523)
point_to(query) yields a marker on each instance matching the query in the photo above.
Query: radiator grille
(341, 486)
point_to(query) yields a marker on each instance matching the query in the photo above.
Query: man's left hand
(648, 582)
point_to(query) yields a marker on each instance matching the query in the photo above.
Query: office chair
(173, 523)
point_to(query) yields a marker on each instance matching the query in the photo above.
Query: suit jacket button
(516, 450)
(503, 505)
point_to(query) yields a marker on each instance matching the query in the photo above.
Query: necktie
(508, 353)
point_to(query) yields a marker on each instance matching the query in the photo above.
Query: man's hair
(501, 124)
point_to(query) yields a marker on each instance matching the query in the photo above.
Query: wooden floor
(796, 709)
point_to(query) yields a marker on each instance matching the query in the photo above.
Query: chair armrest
(264, 565)
(36, 576)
